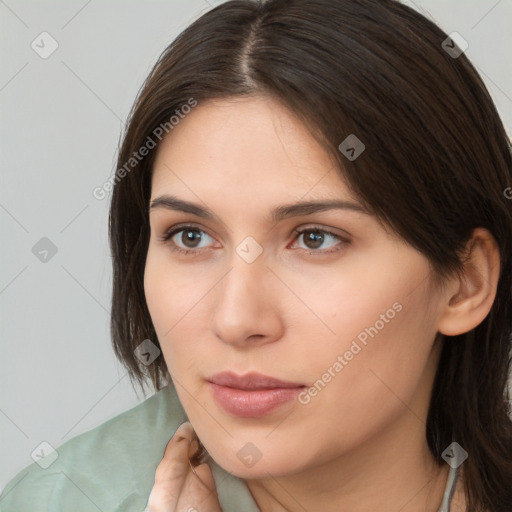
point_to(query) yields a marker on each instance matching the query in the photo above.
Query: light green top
(112, 467)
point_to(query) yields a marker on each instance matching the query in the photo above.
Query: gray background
(61, 119)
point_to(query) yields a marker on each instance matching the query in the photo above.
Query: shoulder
(108, 468)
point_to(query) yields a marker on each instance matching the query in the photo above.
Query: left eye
(316, 238)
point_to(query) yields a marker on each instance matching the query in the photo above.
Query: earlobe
(469, 299)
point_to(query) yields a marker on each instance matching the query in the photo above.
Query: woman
(311, 238)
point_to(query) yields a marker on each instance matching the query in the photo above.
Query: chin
(250, 463)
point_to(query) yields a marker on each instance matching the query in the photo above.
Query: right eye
(186, 239)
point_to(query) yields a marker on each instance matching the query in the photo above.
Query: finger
(199, 493)
(171, 473)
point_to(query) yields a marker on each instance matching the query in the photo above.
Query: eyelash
(169, 233)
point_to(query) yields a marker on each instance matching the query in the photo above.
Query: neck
(391, 469)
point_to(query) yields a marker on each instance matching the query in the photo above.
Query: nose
(247, 306)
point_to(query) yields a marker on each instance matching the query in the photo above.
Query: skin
(360, 442)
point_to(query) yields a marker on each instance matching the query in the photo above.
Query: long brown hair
(436, 165)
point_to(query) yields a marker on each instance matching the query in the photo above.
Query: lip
(250, 381)
(251, 395)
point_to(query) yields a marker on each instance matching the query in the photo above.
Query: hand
(177, 488)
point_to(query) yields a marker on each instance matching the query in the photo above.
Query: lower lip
(252, 404)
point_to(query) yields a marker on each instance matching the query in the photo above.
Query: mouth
(252, 395)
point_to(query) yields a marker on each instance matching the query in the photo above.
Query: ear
(468, 298)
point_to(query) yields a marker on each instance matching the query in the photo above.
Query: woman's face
(342, 312)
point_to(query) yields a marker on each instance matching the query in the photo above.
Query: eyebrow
(277, 214)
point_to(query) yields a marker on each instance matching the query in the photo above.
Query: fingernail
(184, 431)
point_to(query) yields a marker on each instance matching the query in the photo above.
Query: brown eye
(318, 240)
(187, 239)
(313, 239)
(190, 238)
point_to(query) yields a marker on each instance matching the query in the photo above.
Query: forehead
(245, 142)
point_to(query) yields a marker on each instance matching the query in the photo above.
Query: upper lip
(250, 381)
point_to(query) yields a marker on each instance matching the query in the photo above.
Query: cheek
(166, 298)
(339, 303)
(170, 292)
(376, 340)
(159, 290)
(176, 303)
(383, 366)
